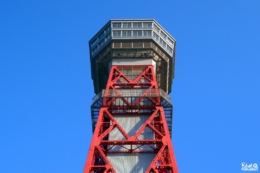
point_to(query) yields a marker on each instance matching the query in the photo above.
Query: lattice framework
(164, 160)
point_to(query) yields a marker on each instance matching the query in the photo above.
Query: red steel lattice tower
(132, 65)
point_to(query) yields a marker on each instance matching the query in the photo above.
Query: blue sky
(46, 87)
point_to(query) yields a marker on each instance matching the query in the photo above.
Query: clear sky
(46, 87)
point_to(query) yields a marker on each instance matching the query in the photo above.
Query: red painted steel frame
(164, 160)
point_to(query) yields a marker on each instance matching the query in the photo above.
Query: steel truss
(131, 95)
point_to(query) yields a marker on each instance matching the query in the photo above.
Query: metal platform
(131, 95)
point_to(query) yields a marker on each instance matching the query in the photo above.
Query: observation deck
(132, 42)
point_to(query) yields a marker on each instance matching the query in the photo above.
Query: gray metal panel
(115, 134)
(131, 124)
(130, 162)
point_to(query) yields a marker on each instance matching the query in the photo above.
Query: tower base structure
(131, 134)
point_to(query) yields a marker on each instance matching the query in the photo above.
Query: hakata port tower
(132, 65)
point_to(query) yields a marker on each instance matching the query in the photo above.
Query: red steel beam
(164, 160)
